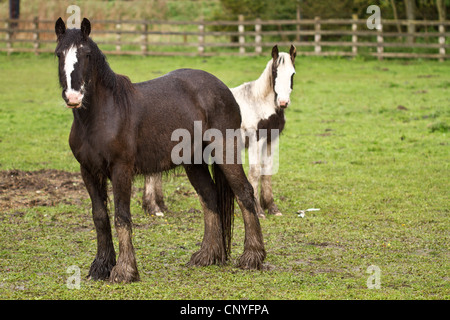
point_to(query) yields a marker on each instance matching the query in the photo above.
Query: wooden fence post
(144, 39)
(317, 35)
(201, 39)
(8, 37)
(380, 41)
(297, 25)
(258, 48)
(118, 37)
(442, 42)
(354, 36)
(410, 28)
(241, 37)
(36, 35)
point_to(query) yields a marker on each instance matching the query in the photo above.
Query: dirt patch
(19, 189)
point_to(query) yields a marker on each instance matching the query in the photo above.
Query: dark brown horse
(121, 129)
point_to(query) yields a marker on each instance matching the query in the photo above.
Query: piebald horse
(262, 103)
(121, 129)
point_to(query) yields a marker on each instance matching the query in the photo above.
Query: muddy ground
(19, 189)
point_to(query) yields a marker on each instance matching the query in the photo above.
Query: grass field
(367, 142)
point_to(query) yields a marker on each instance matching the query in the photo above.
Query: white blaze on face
(75, 97)
(283, 82)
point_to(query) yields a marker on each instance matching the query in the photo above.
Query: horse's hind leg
(106, 257)
(254, 252)
(126, 269)
(254, 176)
(254, 173)
(212, 250)
(153, 199)
(266, 199)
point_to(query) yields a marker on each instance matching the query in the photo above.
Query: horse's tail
(225, 205)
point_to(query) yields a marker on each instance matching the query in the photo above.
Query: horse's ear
(275, 52)
(60, 27)
(293, 53)
(85, 28)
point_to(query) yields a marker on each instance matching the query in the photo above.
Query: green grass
(378, 172)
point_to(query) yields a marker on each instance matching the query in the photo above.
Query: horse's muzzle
(283, 103)
(73, 99)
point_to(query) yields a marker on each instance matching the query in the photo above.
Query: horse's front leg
(126, 268)
(106, 257)
(153, 198)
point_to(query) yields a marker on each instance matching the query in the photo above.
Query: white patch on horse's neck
(256, 99)
(69, 65)
(263, 85)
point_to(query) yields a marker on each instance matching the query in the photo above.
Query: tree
(394, 11)
(442, 10)
(249, 8)
(14, 11)
(410, 8)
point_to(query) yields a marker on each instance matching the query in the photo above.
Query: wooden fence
(318, 37)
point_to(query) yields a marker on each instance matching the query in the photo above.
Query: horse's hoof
(124, 274)
(153, 211)
(260, 212)
(162, 207)
(273, 210)
(100, 270)
(252, 260)
(203, 258)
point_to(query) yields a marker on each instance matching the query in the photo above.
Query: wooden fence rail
(341, 37)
